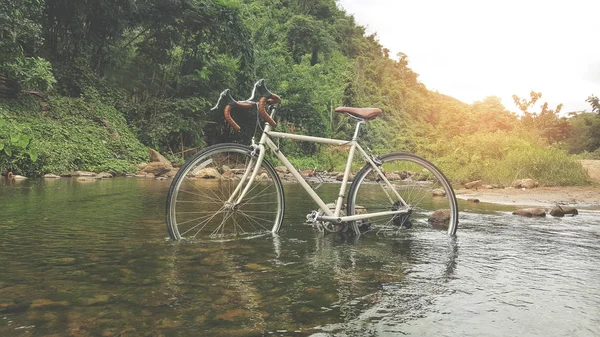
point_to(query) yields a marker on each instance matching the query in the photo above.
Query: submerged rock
(440, 219)
(531, 212)
(560, 211)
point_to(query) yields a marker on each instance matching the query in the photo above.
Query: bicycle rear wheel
(200, 204)
(426, 195)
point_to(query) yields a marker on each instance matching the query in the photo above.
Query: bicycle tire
(196, 203)
(425, 189)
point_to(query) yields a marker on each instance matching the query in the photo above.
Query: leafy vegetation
(150, 70)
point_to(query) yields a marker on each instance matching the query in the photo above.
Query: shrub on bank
(502, 157)
(67, 134)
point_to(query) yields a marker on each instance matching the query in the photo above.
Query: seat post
(360, 121)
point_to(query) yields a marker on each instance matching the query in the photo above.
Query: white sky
(471, 49)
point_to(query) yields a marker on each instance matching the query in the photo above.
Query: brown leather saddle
(362, 113)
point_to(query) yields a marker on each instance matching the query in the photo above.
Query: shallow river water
(93, 259)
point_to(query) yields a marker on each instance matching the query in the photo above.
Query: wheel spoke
(203, 210)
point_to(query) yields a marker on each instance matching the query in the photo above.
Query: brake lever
(223, 94)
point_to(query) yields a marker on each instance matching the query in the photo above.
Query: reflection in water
(90, 260)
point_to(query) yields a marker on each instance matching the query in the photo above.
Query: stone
(560, 211)
(393, 176)
(340, 176)
(83, 174)
(103, 175)
(263, 176)
(525, 183)
(438, 192)
(530, 212)
(473, 184)
(156, 157)
(86, 179)
(172, 173)
(475, 200)
(228, 175)
(43, 303)
(157, 168)
(440, 219)
(208, 173)
(281, 169)
(141, 166)
(51, 176)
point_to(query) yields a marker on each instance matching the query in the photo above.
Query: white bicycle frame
(266, 141)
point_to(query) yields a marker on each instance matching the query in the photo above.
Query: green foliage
(32, 73)
(595, 103)
(151, 69)
(74, 135)
(502, 157)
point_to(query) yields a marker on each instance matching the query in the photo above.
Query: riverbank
(585, 196)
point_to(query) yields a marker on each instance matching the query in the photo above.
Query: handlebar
(259, 92)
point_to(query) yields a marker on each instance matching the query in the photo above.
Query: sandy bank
(588, 197)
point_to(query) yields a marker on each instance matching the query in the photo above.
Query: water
(92, 259)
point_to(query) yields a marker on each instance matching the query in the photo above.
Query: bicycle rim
(200, 204)
(428, 196)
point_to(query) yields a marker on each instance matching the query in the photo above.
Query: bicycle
(230, 190)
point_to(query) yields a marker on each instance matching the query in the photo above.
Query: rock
(340, 177)
(281, 169)
(487, 187)
(393, 176)
(158, 158)
(438, 192)
(162, 178)
(19, 177)
(440, 219)
(403, 174)
(263, 176)
(473, 200)
(531, 212)
(156, 168)
(172, 173)
(227, 175)
(525, 183)
(560, 211)
(86, 179)
(51, 176)
(141, 166)
(103, 175)
(208, 173)
(83, 174)
(473, 184)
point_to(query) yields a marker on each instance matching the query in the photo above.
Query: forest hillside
(92, 84)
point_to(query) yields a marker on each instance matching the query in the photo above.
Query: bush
(73, 135)
(502, 157)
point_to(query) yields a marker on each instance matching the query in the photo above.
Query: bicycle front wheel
(203, 201)
(419, 189)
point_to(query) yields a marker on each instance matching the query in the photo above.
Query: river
(93, 259)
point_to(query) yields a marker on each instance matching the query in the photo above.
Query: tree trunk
(8, 88)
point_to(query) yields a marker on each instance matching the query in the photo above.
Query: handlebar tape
(263, 112)
(227, 113)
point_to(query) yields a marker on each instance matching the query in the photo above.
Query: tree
(595, 103)
(547, 122)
